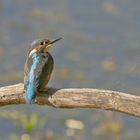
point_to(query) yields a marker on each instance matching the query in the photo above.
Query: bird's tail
(30, 94)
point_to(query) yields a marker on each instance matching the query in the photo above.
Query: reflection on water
(100, 49)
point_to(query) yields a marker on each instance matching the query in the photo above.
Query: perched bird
(38, 67)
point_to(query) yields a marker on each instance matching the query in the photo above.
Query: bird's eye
(46, 42)
(42, 43)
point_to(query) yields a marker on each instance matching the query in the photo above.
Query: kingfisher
(38, 67)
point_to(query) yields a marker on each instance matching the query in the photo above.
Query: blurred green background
(100, 49)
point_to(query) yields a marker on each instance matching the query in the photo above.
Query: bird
(38, 67)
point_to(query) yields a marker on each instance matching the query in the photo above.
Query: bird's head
(41, 45)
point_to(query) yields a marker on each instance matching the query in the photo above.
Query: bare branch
(75, 98)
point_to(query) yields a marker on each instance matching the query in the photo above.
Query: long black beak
(52, 42)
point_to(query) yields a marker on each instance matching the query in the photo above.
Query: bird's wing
(27, 69)
(42, 72)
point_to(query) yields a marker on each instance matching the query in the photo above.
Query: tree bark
(75, 98)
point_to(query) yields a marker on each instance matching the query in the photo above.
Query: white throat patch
(33, 51)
